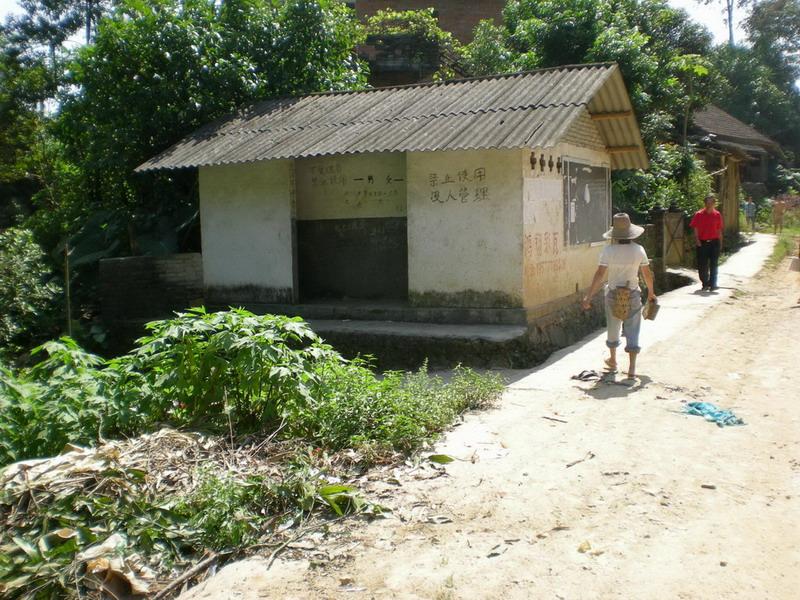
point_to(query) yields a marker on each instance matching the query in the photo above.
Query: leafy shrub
(28, 298)
(676, 178)
(61, 400)
(230, 368)
(226, 511)
(232, 510)
(230, 372)
(416, 36)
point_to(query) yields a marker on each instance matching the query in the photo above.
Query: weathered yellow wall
(553, 270)
(246, 220)
(465, 227)
(351, 186)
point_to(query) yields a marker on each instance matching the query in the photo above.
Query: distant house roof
(730, 132)
(533, 109)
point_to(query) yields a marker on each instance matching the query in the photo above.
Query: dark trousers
(707, 261)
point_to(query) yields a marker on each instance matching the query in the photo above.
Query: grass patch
(786, 245)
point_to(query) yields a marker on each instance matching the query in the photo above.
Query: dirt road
(661, 504)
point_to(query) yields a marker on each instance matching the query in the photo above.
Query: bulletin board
(587, 203)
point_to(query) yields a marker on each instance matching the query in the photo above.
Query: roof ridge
(533, 106)
(742, 123)
(570, 67)
(464, 79)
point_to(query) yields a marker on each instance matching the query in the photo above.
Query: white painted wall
(553, 269)
(465, 222)
(351, 186)
(246, 220)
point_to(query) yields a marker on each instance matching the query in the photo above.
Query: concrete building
(478, 201)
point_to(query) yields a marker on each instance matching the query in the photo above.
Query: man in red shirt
(707, 224)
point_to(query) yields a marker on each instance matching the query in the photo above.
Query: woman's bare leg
(611, 361)
(632, 364)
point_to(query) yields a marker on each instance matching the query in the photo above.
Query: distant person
(778, 210)
(750, 213)
(622, 260)
(707, 225)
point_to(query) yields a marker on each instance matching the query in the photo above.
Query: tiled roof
(716, 121)
(532, 109)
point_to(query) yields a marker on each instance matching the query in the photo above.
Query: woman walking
(621, 261)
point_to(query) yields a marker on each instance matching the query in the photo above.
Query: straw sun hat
(623, 229)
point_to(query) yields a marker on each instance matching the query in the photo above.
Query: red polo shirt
(707, 226)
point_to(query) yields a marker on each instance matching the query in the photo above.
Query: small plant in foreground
(233, 372)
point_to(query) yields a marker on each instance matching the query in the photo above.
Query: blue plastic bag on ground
(711, 412)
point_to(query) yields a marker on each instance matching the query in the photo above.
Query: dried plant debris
(129, 518)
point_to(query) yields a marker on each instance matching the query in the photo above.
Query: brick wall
(149, 287)
(456, 16)
(584, 133)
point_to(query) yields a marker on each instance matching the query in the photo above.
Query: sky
(710, 16)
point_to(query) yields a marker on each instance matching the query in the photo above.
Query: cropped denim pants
(630, 327)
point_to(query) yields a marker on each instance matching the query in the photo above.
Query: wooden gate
(674, 242)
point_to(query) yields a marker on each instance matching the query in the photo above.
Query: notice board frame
(587, 202)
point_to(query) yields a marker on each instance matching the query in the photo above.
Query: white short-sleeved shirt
(623, 262)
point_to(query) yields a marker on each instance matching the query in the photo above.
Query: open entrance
(352, 227)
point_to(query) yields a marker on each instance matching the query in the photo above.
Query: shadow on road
(608, 388)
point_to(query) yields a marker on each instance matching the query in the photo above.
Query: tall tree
(52, 22)
(729, 6)
(647, 38)
(773, 28)
(751, 92)
(156, 71)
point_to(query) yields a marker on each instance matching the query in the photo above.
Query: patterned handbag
(621, 302)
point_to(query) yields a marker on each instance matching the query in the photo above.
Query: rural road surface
(591, 490)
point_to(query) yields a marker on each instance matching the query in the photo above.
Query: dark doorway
(353, 258)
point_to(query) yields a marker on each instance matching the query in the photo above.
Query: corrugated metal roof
(532, 109)
(714, 120)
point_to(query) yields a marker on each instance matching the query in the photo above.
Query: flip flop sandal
(587, 375)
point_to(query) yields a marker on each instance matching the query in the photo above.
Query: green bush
(61, 400)
(225, 511)
(676, 178)
(229, 372)
(232, 372)
(224, 369)
(28, 297)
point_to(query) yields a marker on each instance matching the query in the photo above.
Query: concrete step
(437, 331)
(388, 311)
(404, 345)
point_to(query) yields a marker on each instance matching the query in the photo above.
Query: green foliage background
(28, 296)
(76, 120)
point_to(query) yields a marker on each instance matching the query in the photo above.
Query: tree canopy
(76, 122)
(659, 49)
